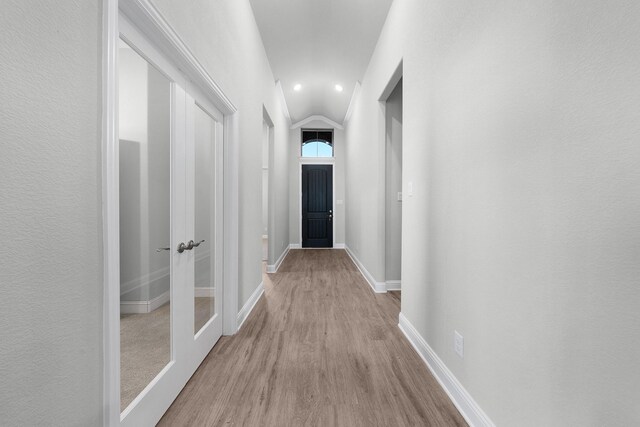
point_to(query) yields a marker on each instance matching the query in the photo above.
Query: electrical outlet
(458, 344)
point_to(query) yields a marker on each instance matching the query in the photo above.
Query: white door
(170, 170)
(205, 219)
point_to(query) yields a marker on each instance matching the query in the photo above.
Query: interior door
(317, 206)
(204, 201)
(153, 261)
(170, 171)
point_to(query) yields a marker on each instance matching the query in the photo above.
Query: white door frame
(271, 194)
(158, 31)
(382, 167)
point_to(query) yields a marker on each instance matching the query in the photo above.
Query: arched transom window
(317, 143)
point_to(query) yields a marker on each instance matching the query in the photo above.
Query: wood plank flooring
(319, 349)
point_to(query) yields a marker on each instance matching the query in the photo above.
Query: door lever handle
(183, 247)
(195, 244)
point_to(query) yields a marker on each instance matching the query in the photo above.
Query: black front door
(317, 206)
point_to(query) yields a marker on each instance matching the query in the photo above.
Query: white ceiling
(319, 43)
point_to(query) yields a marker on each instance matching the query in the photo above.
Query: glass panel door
(145, 226)
(204, 202)
(171, 239)
(205, 218)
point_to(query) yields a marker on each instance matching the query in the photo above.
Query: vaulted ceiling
(319, 44)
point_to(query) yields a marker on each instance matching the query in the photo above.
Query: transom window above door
(317, 143)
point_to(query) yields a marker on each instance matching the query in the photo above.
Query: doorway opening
(265, 192)
(268, 200)
(393, 190)
(391, 167)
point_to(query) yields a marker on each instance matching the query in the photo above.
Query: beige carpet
(145, 346)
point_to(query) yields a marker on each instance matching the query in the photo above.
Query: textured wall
(521, 128)
(50, 257)
(224, 37)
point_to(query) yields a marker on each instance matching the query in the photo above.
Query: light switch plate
(399, 196)
(458, 343)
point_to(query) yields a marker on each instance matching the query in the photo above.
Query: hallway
(481, 158)
(318, 349)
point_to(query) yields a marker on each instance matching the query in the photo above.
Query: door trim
(271, 181)
(395, 77)
(325, 161)
(156, 29)
(110, 216)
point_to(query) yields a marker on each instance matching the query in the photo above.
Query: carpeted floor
(145, 346)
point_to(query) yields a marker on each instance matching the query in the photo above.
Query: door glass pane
(144, 118)
(205, 184)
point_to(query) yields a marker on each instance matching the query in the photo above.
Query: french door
(171, 236)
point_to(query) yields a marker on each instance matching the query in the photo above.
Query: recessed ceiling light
(339, 88)
(297, 87)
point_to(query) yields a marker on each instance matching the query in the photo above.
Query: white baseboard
(144, 280)
(274, 268)
(393, 285)
(294, 246)
(469, 409)
(248, 306)
(205, 292)
(339, 246)
(378, 287)
(141, 307)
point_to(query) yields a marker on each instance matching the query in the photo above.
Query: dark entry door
(317, 206)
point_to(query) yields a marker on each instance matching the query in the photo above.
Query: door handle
(195, 244)
(189, 246)
(183, 247)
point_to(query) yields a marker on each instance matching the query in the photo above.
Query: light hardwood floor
(319, 349)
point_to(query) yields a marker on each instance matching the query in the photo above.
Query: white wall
(224, 37)
(50, 256)
(295, 138)
(393, 178)
(520, 138)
